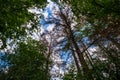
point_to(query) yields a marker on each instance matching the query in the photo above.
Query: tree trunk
(76, 61)
(80, 56)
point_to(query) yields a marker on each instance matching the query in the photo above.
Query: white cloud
(45, 14)
(42, 30)
(48, 0)
(50, 27)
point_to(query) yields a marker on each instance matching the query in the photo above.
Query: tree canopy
(78, 40)
(13, 17)
(28, 62)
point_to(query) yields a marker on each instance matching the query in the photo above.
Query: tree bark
(76, 61)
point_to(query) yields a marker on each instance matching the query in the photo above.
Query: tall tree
(63, 25)
(102, 21)
(99, 22)
(28, 62)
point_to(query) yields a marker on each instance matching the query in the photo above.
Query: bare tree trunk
(76, 61)
(80, 56)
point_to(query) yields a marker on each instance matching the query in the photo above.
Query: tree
(28, 62)
(13, 17)
(99, 22)
(63, 25)
(102, 21)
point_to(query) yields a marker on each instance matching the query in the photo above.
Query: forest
(59, 39)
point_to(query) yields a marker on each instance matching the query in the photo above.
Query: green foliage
(101, 71)
(71, 74)
(101, 23)
(98, 8)
(99, 13)
(28, 62)
(14, 14)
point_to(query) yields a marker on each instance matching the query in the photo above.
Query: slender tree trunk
(69, 32)
(76, 61)
(80, 56)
